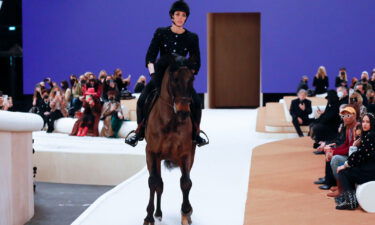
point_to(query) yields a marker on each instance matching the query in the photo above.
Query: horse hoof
(148, 223)
(186, 218)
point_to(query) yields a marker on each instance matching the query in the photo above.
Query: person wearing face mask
(303, 84)
(371, 101)
(44, 109)
(372, 80)
(341, 79)
(342, 93)
(112, 116)
(365, 81)
(170, 41)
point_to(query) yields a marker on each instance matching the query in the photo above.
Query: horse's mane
(174, 62)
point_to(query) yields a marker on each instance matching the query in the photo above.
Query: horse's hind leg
(186, 184)
(154, 184)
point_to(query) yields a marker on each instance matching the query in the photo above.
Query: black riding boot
(139, 135)
(196, 112)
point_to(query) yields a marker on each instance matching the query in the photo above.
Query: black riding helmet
(179, 5)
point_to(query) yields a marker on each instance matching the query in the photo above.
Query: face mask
(111, 99)
(45, 97)
(340, 94)
(364, 79)
(342, 73)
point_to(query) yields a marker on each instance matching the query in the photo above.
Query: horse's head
(181, 79)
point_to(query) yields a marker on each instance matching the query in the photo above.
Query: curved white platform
(220, 179)
(366, 196)
(61, 158)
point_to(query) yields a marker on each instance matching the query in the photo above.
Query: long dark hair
(372, 124)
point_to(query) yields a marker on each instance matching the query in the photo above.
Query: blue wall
(70, 36)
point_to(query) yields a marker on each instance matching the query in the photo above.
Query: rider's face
(179, 18)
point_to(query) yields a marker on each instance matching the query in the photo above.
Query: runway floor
(220, 178)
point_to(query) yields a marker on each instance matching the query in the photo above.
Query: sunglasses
(346, 116)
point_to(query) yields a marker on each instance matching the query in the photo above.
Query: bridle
(170, 92)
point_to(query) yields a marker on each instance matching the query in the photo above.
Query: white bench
(366, 196)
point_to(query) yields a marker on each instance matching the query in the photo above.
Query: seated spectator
(360, 166)
(342, 93)
(372, 80)
(356, 100)
(141, 83)
(320, 81)
(352, 85)
(6, 102)
(88, 123)
(37, 99)
(325, 128)
(348, 115)
(371, 101)
(66, 92)
(117, 77)
(342, 79)
(300, 109)
(53, 115)
(44, 108)
(360, 88)
(303, 84)
(112, 116)
(76, 104)
(365, 81)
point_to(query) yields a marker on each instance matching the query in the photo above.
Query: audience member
(112, 116)
(341, 79)
(360, 166)
(371, 101)
(303, 84)
(320, 81)
(342, 93)
(356, 100)
(6, 102)
(326, 126)
(89, 122)
(348, 115)
(141, 83)
(299, 110)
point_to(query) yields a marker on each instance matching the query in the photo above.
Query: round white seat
(366, 196)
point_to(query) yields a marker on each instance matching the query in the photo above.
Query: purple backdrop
(65, 37)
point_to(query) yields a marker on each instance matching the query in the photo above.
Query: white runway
(220, 177)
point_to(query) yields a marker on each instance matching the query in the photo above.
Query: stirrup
(129, 142)
(208, 140)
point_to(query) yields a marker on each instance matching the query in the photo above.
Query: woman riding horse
(173, 40)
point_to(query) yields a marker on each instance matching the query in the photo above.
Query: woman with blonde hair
(320, 81)
(356, 100)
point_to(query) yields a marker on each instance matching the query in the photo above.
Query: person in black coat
(342, 79)
(300, 109)
(325, 128)
(303, 84)
(320, 81)
(168, 42)
(360, 166)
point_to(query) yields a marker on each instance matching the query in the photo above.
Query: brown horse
(169, 136)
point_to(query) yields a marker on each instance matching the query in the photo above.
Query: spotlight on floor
(12, 28)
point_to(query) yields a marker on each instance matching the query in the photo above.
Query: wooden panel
(234, 59)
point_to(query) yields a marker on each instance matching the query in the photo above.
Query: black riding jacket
(167, 43)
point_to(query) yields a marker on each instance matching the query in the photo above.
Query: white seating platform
(366, 196)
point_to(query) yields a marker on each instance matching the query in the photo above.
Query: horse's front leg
(154, 182)
(186, 184)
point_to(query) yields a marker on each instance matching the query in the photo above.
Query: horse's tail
(170, 165)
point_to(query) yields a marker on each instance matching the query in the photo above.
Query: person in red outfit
(89, 122)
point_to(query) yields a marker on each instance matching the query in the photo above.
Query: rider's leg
(139, 132)
(196, 114)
